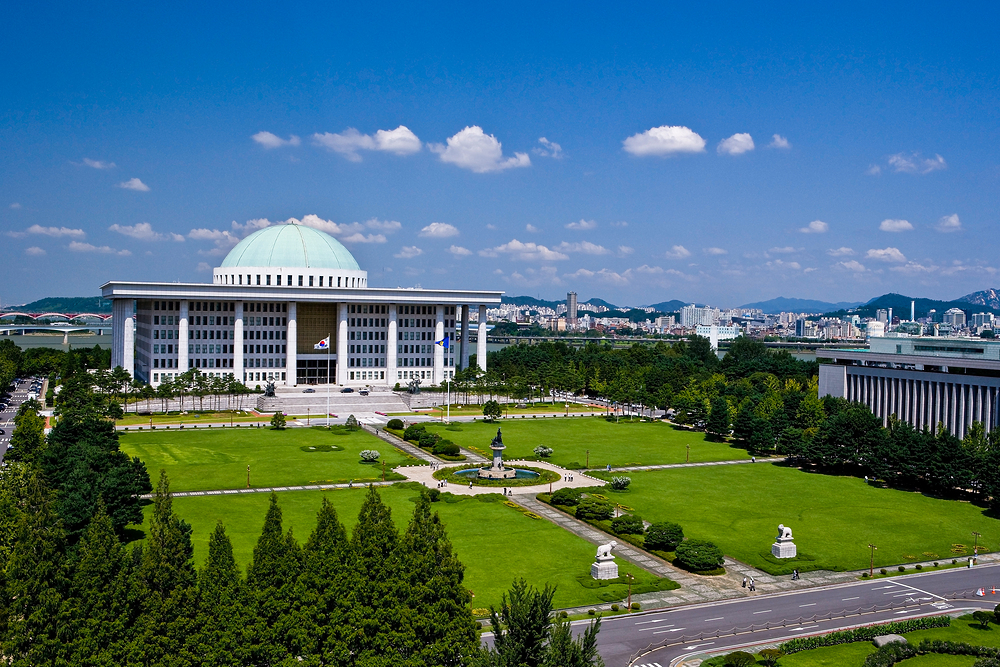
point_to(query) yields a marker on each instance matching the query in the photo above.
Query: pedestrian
(744, 582)
(753, 459)
(609, 467)
(505, 490)
(470, 484)
(753, 585)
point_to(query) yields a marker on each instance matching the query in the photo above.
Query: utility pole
(871, 564)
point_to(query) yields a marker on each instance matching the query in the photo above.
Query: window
(289, 281)
(338, 282)
(268, 277)
(321, 281)
(310, 281)
(258, 279)
(300, 281)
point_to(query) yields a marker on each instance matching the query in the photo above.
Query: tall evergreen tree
(219, 638)
(565, 651)
(520, 627)
(437, 613)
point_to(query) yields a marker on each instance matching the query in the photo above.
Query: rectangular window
(268, 277)
(310, 281)
(300, 281)
(321, 281)
(258, 279)
(338, 282)
(289, 281)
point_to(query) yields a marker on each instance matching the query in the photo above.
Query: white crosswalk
(649, 664)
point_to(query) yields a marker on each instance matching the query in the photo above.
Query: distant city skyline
(717, 154)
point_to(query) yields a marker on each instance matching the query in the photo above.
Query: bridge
(65, 330)
(63, 316)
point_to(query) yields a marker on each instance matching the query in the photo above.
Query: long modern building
(925, 381)
(279, 293)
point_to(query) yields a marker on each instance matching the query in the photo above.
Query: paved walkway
(666, 466)
(269, 489)
(412, 450)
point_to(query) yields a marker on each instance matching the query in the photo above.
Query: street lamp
(975, 549)
(871, 566)
(630, 577)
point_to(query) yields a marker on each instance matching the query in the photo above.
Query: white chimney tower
(913, 311)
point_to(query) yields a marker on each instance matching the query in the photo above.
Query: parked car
(347, 390)
(308, 390)
(363, 392)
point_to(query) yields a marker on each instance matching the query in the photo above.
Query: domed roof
(291, 246)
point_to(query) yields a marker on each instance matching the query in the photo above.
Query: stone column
(464, 347)
(481, 340)
(182, 338)
(291, 356)
(439, 349)
(391, 347)
(238, 345)
(342, 344)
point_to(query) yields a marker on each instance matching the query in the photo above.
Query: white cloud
(779, 264)
(778, 141)
(949, 223)
(409, 252)
(98, 164)
(738, 144)
(76, 246)
(852, 265)
(400, 141)
(914, 268)
(890, 225)
(914, 164)
(842, 251)
(678, 252)
(34, 251)
(715, 251)
(582, 225)
(250, 225)
(586, 248)
(477, 151)
(439, 230)
(143, 231)
(134, 184)
(459, 251)
(815, 227)
(531, 228)
(620, 223)
(781, 251)
(203, 267)
(625, 250)
(664, 140)
(548, 149)
(886, 255)
(873, 170)
(15, 206)
(268, 140)
(529, 252)
(388, 226)
(55, 232)
(364, 238)
(491, 226)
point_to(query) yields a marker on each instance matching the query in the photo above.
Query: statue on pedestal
(605, 567)
(783, 546)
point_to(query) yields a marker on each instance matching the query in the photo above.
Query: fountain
(498, 470)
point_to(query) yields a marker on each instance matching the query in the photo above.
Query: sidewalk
(666, 466)
(269, 489)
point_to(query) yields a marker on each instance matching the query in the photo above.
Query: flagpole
(329, 339)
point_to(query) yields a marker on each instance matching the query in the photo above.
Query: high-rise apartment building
(571, 308)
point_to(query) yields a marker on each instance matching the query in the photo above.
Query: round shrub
(901, 568)
(884, 571)
(628, 524)
(594, 509)
(740, 659)
(568, 497)
(591, 611)
(919, 566)
(434, 495)
(396, 424)
(428, 440)
(636, 606)
(543, 452)
(414, 431)
(663, 536)
(615, 607)
(699, 555)
(563, 614)
(446, 448)
(370, 455)
(620, 483)
(864, 575)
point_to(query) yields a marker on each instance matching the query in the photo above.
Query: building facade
(925, 381)
(277, 295)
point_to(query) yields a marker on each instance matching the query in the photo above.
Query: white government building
(277, 294)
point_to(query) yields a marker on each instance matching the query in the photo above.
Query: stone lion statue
(604, 550)
(784, 532)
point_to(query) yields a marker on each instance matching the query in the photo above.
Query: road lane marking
(882, 587)
(658, 620)
(856, 597)
(811, 604)
(714, 619)
(694, 646)
(660, 632)
(656, 628)
(920, 590)
(766, 611)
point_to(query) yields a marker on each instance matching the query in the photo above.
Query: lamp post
(630, 577)
(975, 549)
(871, 564)
(248, 476)
(687, 458)
(383, 470)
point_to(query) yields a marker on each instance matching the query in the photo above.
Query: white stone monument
(605, 567)
(783, 546)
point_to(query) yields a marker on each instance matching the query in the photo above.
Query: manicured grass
(496, 543)
(853, 655)
(833, 519)
(191, 418)
(622, 444)
(218, 458)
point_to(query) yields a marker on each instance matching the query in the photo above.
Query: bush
(615, 607)
(492, 410)
(445, 447)
(740, 659)
(414, 431)
(628, 524)
(919, 566)
(434, 495)
(591, 611)
(563, 614)
(884, 571)
(664, 536)
(620, 483)
(770, 656)
(636, 606)
(865, 634)
(351, 423)
(699, 555)
(983, 618)
(901, 568)
(543, 452)
(278, 421)
(370, 455)
(594, 509)
(567, 497)
(396, 424)
(428, 440)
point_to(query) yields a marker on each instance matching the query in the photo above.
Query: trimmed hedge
(865, 634)
(892, 653)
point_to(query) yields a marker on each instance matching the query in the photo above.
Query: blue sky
(723, 153)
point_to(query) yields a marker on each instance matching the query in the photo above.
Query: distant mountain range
(987, 297)
(65, 304)
(900, 305)
(786, 305)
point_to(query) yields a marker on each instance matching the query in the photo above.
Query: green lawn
(833, 519)
(496, 543)
(218, 458)
(853, 655)
(622, 444)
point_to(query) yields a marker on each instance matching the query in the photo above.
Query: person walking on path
(744, 582)
(753, 585)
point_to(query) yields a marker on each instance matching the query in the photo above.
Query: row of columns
(925, 403)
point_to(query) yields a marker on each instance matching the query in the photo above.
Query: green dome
(291, 246)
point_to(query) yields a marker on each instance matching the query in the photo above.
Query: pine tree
(374, 616)
(440, 624)
(100, 595)
(520, 627)
(218, 640)
(39, 628)
(271, 579)
(718, 418)
(565, 651)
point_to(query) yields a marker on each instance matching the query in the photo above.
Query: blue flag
(444, 342)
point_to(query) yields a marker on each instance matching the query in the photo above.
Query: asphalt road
(14, 400)
(658, 638)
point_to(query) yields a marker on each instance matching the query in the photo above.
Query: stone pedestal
(783, 548)
(604, 568)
